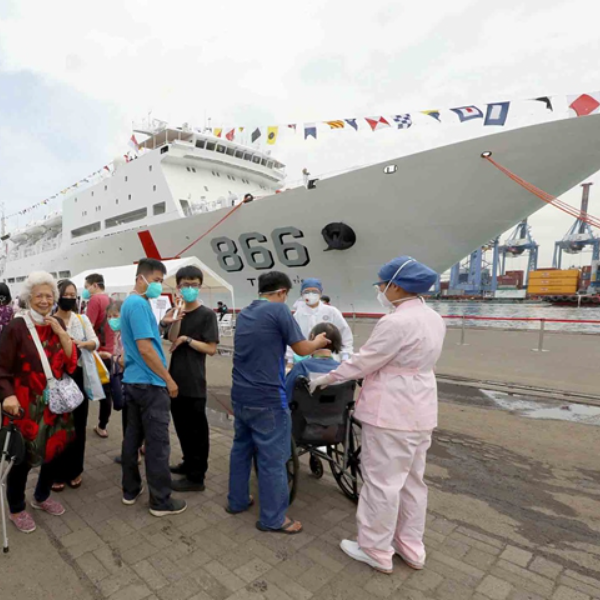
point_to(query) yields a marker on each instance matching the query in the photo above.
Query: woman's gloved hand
(318, 382)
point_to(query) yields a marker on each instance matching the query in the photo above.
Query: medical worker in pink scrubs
(398, 409)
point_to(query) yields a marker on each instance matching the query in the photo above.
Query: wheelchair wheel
(349, 479)
(292, 468)
(316, 466)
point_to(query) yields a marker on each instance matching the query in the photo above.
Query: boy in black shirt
(194, 332)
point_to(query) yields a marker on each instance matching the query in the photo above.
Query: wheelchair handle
(12, 417)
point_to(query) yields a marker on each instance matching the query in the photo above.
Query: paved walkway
(103, 549)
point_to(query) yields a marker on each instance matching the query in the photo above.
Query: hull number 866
(258, 256)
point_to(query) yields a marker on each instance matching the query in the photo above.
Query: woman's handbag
(101, 369)
(92, 381)
(61, 395)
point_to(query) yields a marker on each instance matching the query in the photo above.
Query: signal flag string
(547, 198)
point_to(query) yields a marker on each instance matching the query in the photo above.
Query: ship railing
(541, 321)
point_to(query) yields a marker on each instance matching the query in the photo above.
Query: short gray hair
(35, 279)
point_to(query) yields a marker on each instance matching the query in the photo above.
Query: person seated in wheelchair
(321, 361)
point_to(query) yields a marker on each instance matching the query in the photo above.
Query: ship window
(390, 169)
(19, 279)
(218, 174)
(117, 201)
(129, 197)
(54, 275)
(105, 187)
(270, 164)
(263, 162)
(11, 280)
(206, 188)
(165, 149)
(230, 151)
(256, 160)
(85, 230)
(64, 274)
(247, 156)
(125, 177)
(185, 205)
(150, 168)
(239, 154)
(188, 169)
(76, 198)
(210, 145)
(194, 170)
(134, 215)
(221, 149)
(153, 188)
(159, 209)
(200, 143)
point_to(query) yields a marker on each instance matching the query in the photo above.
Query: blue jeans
(266, 432)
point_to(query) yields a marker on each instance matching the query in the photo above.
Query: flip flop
(237, 512)
(283, 529)
(99, 432)
(58, 487)
(74, 486)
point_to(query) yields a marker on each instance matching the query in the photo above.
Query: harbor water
(542, 310)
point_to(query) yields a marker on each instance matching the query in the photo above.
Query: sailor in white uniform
(311, 311)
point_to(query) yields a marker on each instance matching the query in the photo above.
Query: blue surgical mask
(154, 289)
(190, 294)
(85, 295)
(115, 323)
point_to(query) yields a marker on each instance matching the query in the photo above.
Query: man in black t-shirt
(194, 332)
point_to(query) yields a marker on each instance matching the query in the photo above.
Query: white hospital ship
(436, 205)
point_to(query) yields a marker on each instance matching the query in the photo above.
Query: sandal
(100, 432)
(285, 528)
(58, 487)
(237, 512)
(75, 483)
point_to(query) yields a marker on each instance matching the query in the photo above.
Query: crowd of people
(114, 354)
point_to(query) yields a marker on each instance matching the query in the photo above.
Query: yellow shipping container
(557, 274)
(552, 289)
(554, 282)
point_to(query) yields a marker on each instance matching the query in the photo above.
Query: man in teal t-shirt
(148, 390)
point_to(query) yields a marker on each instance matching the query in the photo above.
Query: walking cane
(12, 453)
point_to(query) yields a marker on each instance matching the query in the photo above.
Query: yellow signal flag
(335, 124)
(272, 133)
(218, 131)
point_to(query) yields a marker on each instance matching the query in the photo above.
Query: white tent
(120, 280)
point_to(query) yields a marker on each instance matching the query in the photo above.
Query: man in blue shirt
(148, 390)
(258, 396)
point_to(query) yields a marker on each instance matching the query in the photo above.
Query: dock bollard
(540, 347)
(462, 333)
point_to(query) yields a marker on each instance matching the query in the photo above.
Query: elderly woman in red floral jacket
(22, 385)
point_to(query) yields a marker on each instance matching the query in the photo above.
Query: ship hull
(437, 206)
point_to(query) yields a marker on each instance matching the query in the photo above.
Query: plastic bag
(91, 380)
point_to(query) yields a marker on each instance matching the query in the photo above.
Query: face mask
(36, 317)
(67, 304)
(154, 289)
(115, 323)
(311, 298)
(86, 295)
(383, 299)
(190, 294)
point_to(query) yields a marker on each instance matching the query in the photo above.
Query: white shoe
(132, 501)
(416, 565)
(352, 549)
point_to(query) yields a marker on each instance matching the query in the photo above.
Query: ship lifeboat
(19, 236)
(36, 229)
(53, 222)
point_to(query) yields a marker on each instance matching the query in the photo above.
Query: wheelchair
(324, 427)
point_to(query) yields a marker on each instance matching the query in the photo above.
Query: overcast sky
(74, 75)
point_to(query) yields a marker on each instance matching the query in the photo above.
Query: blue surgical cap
(414, 277)
(312, 282)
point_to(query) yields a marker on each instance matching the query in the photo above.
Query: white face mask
(383, 299)
(36, 317)
(311, 298)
